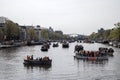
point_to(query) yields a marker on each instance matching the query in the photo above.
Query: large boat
(38, 62)
(101, 54)
(91, 58)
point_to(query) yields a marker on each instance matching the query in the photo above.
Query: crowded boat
(29, 60)
(101, 54)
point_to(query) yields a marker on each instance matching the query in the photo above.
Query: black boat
(44, 48)
(37, 62)
(65, 45)
(55, 45)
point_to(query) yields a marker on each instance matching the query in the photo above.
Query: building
(23, 32)
(101, 30)
(3, 21)
(38, 32)
(51, 29)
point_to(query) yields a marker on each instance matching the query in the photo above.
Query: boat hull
(37, 62)
(91, 58)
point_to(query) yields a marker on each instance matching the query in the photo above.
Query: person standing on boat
(28, 57)
(31, 57)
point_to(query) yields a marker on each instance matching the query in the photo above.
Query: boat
(32, 43)
(91, 58)
(38, 62)
(101, 54)
(43, 48)
(55, 45)
(65, 45)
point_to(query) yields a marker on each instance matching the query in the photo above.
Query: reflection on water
(64, 66)
(42, 67)
(91, 63)
(99, 62)
(10, 50)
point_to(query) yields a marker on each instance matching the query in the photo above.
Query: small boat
(43, 48)
(38, 62)
(65, 45)
(55, 45)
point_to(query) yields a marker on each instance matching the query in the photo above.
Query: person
(31, 57)
(40, 59)
(28, 57)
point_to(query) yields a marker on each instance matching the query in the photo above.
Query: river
(64, 66)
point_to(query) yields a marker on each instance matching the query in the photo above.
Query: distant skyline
(70, 16)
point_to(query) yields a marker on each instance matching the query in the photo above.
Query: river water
(64, 66)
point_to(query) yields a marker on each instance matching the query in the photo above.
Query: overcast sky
(70, 16)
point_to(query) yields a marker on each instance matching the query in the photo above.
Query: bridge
(78, 36)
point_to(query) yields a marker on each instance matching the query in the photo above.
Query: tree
(11, 30)
(44, 33)
(106, 34)
(113, 35)
(93, 35)
(32, 34)
(118, 30)
(1, 35)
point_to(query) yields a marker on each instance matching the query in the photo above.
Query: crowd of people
(91, 53)
(79, 49)
(39, 58)
(102, 49)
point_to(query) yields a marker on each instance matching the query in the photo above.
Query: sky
(70, 16)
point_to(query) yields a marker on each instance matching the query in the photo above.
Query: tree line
(109, 34)
(12, 31)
